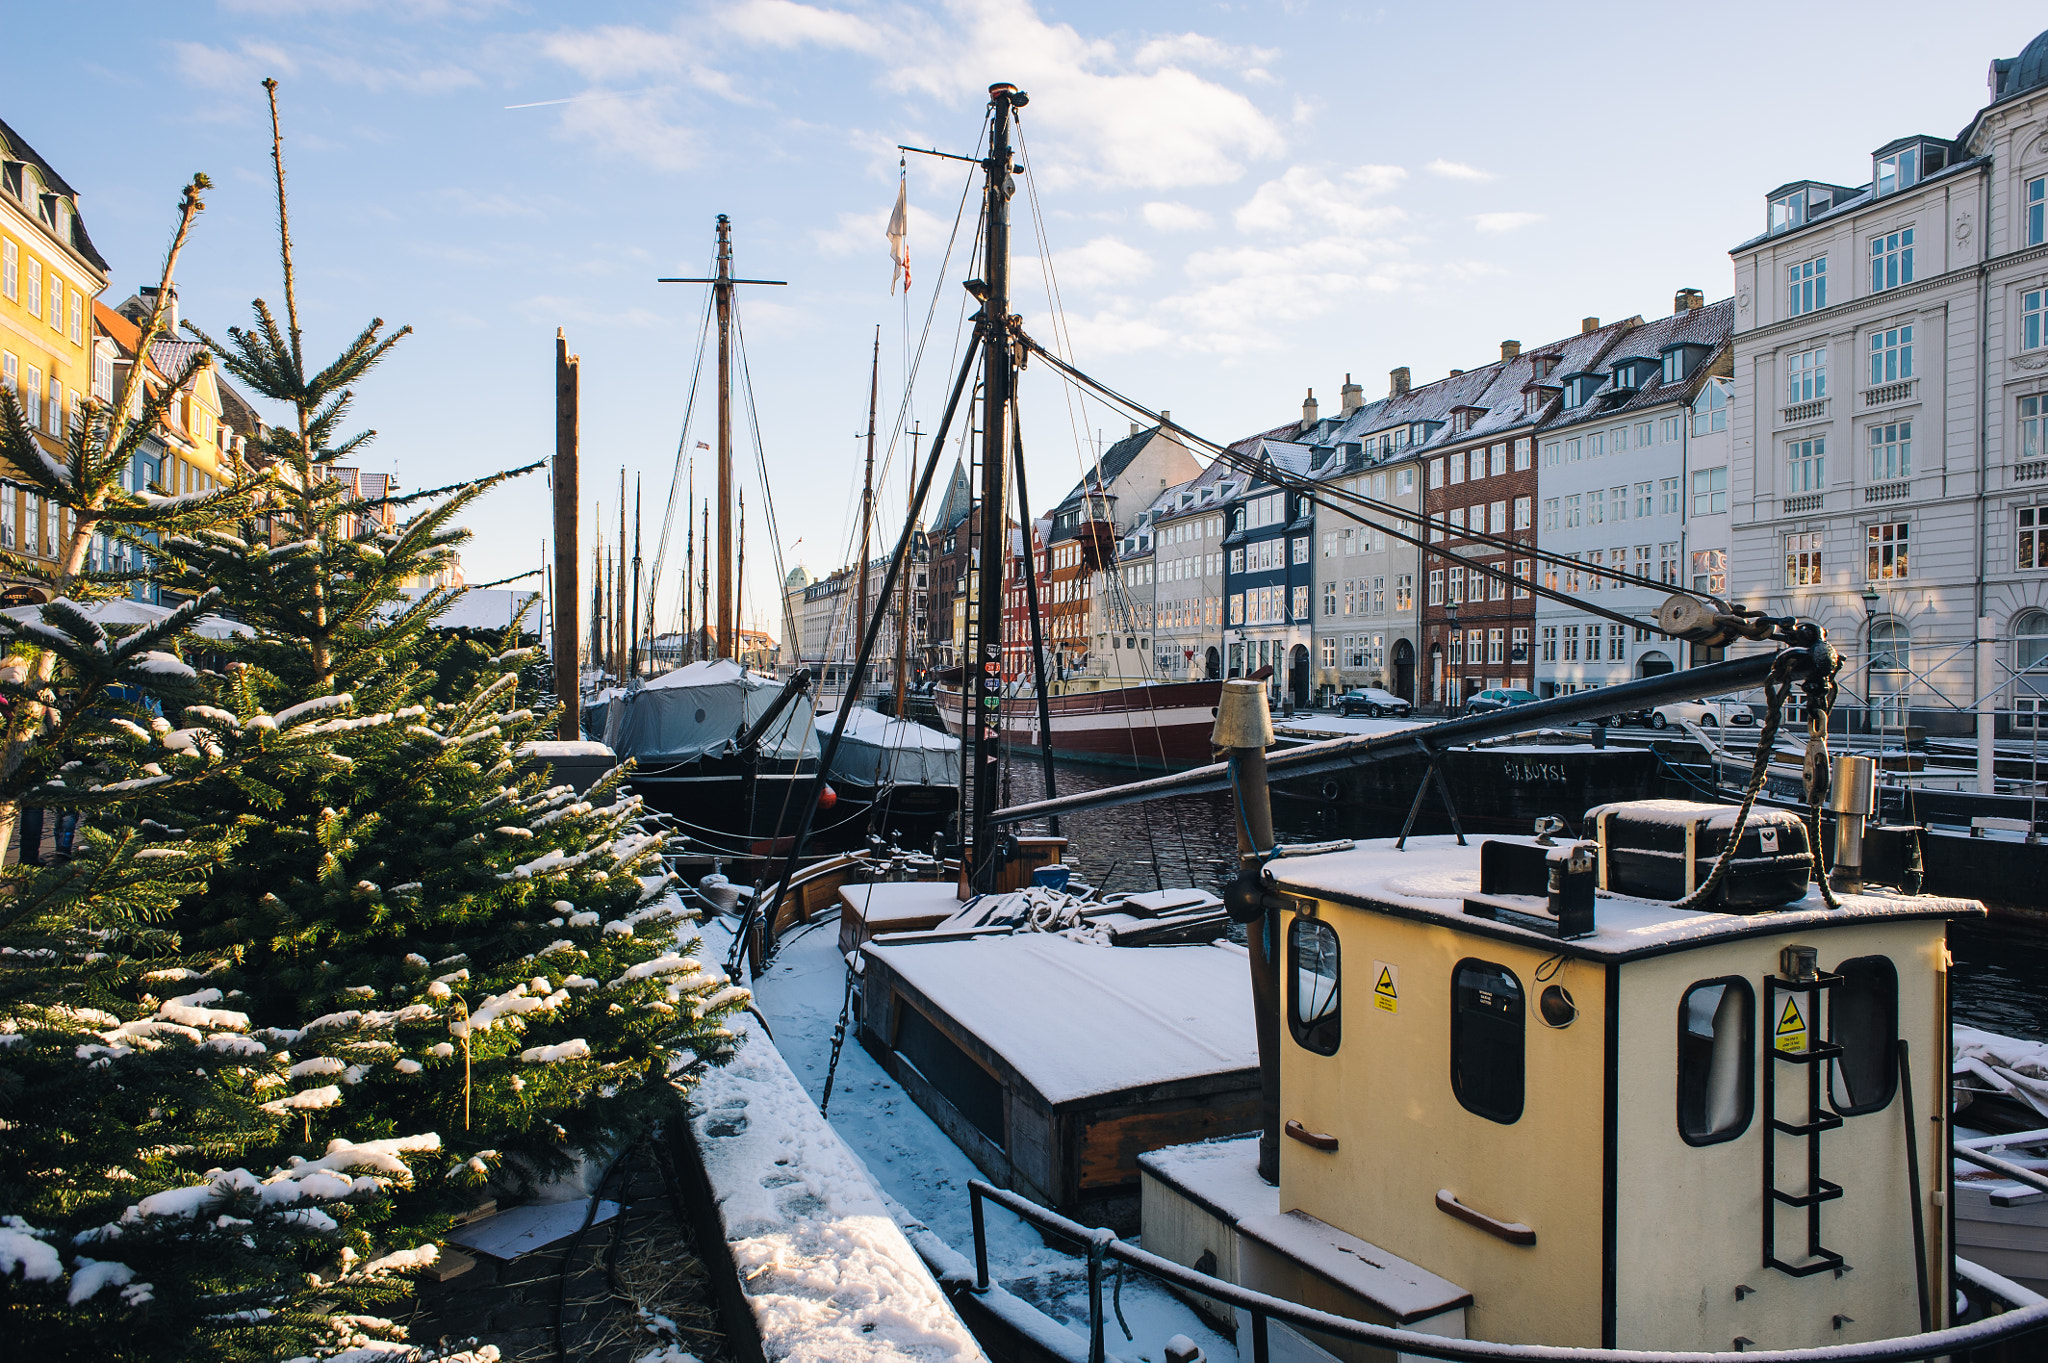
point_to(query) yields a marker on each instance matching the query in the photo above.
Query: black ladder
(1802, 987)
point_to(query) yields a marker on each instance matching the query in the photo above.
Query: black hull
(908, 816)
(1494, 790)
(728, 805)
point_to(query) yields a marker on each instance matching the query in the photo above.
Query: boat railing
(1101, 1248)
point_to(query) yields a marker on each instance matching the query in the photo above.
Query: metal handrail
(1101, 1245)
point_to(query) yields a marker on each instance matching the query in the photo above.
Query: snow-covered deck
(1431, 878)
(1079, 1021)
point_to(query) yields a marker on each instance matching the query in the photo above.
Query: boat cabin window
(1716, 1061)
(1313, 1017)
(1863, 1019)
(1487, 1020)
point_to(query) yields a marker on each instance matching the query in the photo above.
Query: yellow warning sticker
(1791, 1030)
(1386, 987)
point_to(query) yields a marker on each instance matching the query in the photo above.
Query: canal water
(2000, 978)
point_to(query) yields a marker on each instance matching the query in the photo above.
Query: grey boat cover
(701, 711)
(876, 750)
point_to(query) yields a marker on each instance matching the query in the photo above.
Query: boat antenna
(984, 675)
(722, 284)
(867, 505)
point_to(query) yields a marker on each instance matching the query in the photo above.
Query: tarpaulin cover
(701, 711)
(876, 750)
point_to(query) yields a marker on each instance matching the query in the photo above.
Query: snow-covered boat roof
(1429, 881)
(1077, 1020)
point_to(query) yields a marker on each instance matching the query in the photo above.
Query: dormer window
(1543, 365)
(1465, 418)
(1633, 373)
(1901, 165)
(1533, 400)
(1578, 388)
(1681, 360)
(1795, 205)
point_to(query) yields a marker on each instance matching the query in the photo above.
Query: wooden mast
(688, 653)
(619, 588)
(984, 671)
(739, 566)
(568, 648)
(867, 505)
(704, 586)
(633, 650)
(903, 603)
(721, 294)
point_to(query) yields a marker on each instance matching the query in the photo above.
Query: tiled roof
(1110, 466)
(19, 150)
(1711, 326)
(957, 502)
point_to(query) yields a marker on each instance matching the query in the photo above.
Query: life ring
(1331, 790)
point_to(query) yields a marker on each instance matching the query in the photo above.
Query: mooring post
(1244, 728)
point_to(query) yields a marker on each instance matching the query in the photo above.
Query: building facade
(1890, 414)
(1268, 575)
(1622, 475)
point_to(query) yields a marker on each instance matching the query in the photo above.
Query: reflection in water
(2000, 980)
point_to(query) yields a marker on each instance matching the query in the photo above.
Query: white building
(1187, 535)
(1632, 477)
(1890, 473)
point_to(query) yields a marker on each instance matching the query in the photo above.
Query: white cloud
(1504, 222)
(783, 23)
(1303, 193)
(619, 52)
(1102, 262)
(1112, 331)
(1457, 170)
(1094, 117)
(633, 126)
(1175, 217)
(237, 68)
(1198, 49)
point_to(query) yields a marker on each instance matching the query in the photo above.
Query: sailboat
(731, 754)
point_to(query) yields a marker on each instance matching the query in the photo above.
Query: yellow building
(49, 277)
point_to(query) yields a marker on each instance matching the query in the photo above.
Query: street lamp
(1456, 645)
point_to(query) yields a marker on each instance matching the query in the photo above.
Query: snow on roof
(824, 1268)
(1712, 326)
(1221, 1174)
(1431, 879)
(1076, 1020)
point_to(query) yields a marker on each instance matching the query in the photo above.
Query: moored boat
(1157, 725)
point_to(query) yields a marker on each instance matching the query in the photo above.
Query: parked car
(1372, 701)
(1713, 712)
(1498, 698)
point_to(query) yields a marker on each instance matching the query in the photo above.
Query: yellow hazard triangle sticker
(1791, 1031)
(1386, 987)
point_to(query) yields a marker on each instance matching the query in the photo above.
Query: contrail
(577, 99)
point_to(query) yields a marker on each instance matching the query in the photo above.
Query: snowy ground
(914, 1162)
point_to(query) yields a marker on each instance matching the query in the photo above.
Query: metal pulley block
(1709, 623)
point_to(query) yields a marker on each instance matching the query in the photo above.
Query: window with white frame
(1596, 445)
(1436, 585)
(1667, 496)
(1553, 451)
(2033, 306)
(1802, 559)
(1519, 650)
(1643, 429)
(34, 287)
(1436, 473)
(1891, 451)
(1807, 286)
(1617, 439)
(1667, 563)
(1891, 672)
(1496, 587)
(1497, 460)
(1885, 551)
(1574, 450)
(1806, 375)
(1330, 598)
(1891, 260)
(1457, 466)
(2030, 662)
(1522, 453)
(1550, 505)
(2033, 427)
(1667, 428)
(1474, 642)
(1595, 561)
(1300, 604)
(1457, 587)
(56, 314)
(32, 397)
(1710, 408)
(1617, 643)
(10, 270)
(1522, 508)
(1404, 481)
(1571, 643)
(1710, 491)
(1379, 596)
(1900, 170)
(1522, 579)
(1643, 562)
(1891, 355)
(2036, 226)
(1646, 501)
(1496, 646)
(1404, 592)
(2031, 538)
(1572, 511)
(53, 415)
(1237, 609)
(1301, 549)
(1807, 464)
(1549, 637)
(1496, 518)
(1617, 497)
(1596, 507)
(1710, 571)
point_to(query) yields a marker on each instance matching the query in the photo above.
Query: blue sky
(1241, 200)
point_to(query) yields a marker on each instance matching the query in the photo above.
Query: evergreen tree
(380, 972)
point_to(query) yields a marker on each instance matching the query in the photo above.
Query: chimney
(1687, 300)
(1165, 417)
(1510, 349)
(1399, 381)
(1308, 410)
(1354, 396)
(148, 293)
(1135, 428)
(1456, 372)
(1587, 324)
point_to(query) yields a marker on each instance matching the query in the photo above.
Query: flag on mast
(899, 236)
